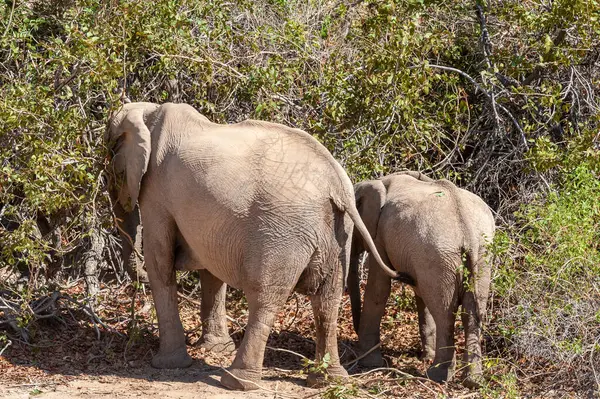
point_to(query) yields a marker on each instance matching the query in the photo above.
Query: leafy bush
(500, 97)
(549, 278)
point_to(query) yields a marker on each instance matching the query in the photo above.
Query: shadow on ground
(74, 349)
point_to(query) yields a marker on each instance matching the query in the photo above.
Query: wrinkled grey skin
(255, 205)
(429, 231)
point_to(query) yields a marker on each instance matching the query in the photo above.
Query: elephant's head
(128, 140)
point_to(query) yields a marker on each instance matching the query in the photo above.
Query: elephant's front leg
(376, 296)
(325, 308)
(159, 262)
(215, 336)
(426, 330)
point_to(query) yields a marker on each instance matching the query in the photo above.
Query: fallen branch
(352, 362)
(45, 304)
(404, 375)
(287, 351)
(37, 384)
(390, 369)
(93, 316)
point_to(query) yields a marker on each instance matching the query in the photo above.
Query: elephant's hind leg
(325, 305)
(159, 244)
(472, 356)
(325, 308)
(442, 368)
(377, 293)
(215, 336)
(473, 311)
(246, 371)
(440, 298)
(426, 330)
(270, 275)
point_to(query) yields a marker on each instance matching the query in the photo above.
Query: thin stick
(363, 355)
(405, 375)
(12, 11)
(592, 364)
(287, 351)
(9, 343)
(39, 384)
(256, 384)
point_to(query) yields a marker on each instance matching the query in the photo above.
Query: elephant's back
(434, 217)
(258, 159)
(232, 176)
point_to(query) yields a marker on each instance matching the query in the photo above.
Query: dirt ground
(70, 355)
(195, 382)
(73, 355)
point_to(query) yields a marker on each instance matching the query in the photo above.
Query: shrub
(500, 97)
(549, 279)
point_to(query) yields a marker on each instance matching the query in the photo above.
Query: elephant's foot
(172, 360)
(439, 373)
(332, 374)
(373, 359)
(241, 379)
(473, 381)
(217, 345)
(427, 355)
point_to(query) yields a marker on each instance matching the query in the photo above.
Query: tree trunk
(92, 261)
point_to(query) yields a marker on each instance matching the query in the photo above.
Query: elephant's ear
(129, 139)
(370, 198)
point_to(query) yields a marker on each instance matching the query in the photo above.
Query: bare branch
(488, 95)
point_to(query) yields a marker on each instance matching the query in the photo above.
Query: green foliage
(319, 367)
(364, 78)
(549, 277)
(403, 300)
(340, 391)
(502, 386)
(358, 78)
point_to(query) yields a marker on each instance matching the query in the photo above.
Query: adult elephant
(255, 205)
(435, 235)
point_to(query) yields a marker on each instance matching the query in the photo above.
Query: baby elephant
(435, 235)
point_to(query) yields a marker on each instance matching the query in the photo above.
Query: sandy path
(195, 382)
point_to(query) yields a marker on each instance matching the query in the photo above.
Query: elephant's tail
(362, 229)
(346, 203)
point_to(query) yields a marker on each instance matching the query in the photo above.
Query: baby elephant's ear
(370, 198)
(129, 139)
